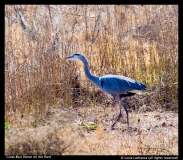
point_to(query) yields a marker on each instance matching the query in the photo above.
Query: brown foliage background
(138, 41)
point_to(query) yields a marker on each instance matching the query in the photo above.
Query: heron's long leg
(126, 112)
(120, 114)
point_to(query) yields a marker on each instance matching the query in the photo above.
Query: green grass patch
(6, 124)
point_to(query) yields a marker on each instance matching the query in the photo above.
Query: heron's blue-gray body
(115, 85)
(120, 85)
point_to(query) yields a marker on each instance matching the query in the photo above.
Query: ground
(149, 133)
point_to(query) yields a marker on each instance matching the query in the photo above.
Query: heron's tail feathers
(140, 86)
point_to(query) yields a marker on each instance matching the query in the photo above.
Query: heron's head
(75, 56)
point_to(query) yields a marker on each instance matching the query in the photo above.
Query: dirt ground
(149, 133)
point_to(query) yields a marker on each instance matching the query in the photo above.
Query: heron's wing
(114, 84)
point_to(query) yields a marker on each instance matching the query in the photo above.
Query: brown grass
(150, 133)
(140, 42)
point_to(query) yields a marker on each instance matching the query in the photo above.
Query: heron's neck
(91, 77)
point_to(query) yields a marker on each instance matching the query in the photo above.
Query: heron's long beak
(65, 58)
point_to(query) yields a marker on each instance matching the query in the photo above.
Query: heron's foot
(120, 115)
(112, 127)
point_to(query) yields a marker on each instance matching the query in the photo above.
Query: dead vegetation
(44, 95)
(150, 133)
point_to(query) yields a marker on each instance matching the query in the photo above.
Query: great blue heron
(115, 85)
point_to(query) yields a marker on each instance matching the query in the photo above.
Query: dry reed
(140, 42)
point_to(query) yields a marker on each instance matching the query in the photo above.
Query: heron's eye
(76, 55)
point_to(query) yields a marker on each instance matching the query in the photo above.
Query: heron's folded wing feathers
(114, 84)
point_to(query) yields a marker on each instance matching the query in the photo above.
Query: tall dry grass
(140, 42)
(135, 41)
